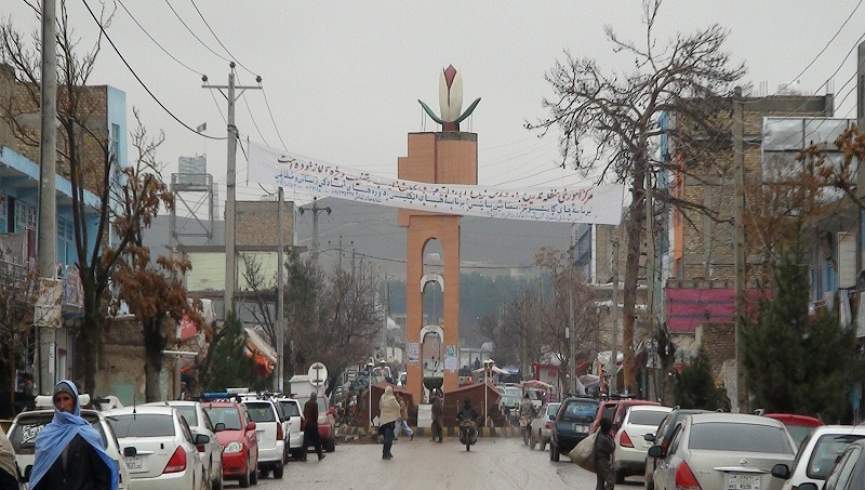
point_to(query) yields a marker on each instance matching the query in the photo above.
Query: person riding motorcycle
(467, 418)
(527, 413)
(467, 413)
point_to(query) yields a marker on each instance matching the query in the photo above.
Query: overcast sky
(343, 76)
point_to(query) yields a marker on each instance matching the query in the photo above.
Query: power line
(202, 43)
(273, 120)
(829, 42)
(462, 266)
(841, 65)
(254, 122)
(219, 40)
(140, 81)
(157, 43)
(543, 171)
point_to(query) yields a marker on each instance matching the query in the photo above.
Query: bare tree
(263, 291)
(619, 114)
(17, 298)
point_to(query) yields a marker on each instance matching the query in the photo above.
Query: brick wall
(257, 223)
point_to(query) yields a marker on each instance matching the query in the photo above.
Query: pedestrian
(69, 452)
(388, 409)
(437, 409)
(8, 468)
(603, 454)
(402, 423)
(310, 426)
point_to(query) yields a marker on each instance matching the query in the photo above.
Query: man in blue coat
(69, 452)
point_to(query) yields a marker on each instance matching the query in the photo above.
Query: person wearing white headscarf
(389, 412)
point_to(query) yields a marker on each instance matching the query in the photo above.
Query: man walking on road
(603, 454)
(310, 428)
(388, 409)
(437, 408)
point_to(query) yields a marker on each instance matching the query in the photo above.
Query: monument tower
(449, 156)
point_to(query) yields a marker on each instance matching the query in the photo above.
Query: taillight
(685, 479)
(625, 440)
(280, 435)
(177, 463)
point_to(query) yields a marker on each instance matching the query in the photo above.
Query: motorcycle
(468, 433)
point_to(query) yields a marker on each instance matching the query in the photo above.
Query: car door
(249, 435)
(842, 474)
(214, 447)
(665, 471)
(187, 440)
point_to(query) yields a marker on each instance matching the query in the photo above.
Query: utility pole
(860, 176)
(314, 209)
(572, 337)
(650, 274)
(231, 94)
(614, 353)
(739, 245)
(279, 379)
(46, 235)
(340, 253)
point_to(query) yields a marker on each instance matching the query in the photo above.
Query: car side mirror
(657, 452)
(807, 486)
(250, 425)
(781, 471)
(649, 437)
(219, 427)
(130, 452)
(200, 441)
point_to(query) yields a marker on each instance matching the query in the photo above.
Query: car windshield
(731, 436)
(826, 451)
(189, 414)
(799, 433)
(23, 435)
(646, 417)
(580, 411)
(553, 409)
(224, 415)
(142, 425)
(512, 391)
(260, 412)
(290, 409)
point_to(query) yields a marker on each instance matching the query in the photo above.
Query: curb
(355, 433)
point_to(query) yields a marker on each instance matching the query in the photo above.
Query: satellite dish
(317, 374)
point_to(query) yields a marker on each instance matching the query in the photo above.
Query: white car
(270, 433)
(631, 447)
(159, 449)
(292, 414)
(817, 455)
(28, 425)
(542, 426)
(199, 423)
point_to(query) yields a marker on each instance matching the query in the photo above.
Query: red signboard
(687, 308)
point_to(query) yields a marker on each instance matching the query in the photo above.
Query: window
(290, 409)
(115, 142)
(729, 436)
(23, 436)
(609, 411)
(187, 434)
(207, 424)
(142, 425)
(260, 412)
(646, 417)
(224, 415)
(189, 414)
(552, 410)
(840, 478)
(826, 451)
(580, 411)
(674, 440)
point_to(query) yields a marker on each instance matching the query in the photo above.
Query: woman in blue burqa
(69, 452)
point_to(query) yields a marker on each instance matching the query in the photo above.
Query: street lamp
(369, 367)
(488, 367)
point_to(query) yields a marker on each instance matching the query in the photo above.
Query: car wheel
(554, 453)
(253, 477)
(532, 441)
(278, 471)
(244, 480)
(297, 455)
(217, 484)
(620, 477)
(543, 444)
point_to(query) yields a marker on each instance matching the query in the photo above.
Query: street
(493, 463)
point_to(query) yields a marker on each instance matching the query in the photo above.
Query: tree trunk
(154, 344)
(632, 268)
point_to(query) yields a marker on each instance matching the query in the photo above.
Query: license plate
(742, 482)
(580, 428)
(134, 463)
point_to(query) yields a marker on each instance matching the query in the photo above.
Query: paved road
(492, 463)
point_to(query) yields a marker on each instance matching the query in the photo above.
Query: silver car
(723, 451)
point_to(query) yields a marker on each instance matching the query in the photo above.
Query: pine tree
(695, 387)
(796, 362)
(231, 367)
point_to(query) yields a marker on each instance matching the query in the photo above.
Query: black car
(849, 471)
(661, 437)
(573, 424)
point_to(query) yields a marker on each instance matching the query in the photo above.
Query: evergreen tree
(796, 362)
(231, 367)
(696, 389)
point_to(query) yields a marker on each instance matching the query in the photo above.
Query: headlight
(233, 447)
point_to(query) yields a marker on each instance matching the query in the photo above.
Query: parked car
(270, 434)
(661, 437)
(159, 449)
(573, 422)
(509, 403)
(542, 426)
(849, 471)
(236, 433)
(631, 446)
(292, 413)
(799, 426)
(326, 421)
(723, 451)
(199, 423)
(817, 455)
(615, 410)
(27, 425)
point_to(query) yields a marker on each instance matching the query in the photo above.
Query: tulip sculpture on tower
(450, 101)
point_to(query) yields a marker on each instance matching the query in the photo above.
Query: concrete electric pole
(739, 245)
(612, 369)
(572, 338)
(650, 276)
(46, 235)
(314, 209)
(231, 94)
(279, 379)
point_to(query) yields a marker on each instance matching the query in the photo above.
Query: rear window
(224, 415)
(726, 436)
(142, 425)
(826, 451)
(580, 411)
(290, 409)
(23, 436)
(646, 417)
(189, 414)
(260, 412)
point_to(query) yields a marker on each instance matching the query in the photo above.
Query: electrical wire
(157, 43)
(140, 81)
(219, 41)
(543, 171)
(202, 43)
(841, 65)
(273, 120)
(828, 43)
(254, 122)
(462, 266)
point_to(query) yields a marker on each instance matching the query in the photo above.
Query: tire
(554, 453)
(217, 484)
(253, 478)
(278, 471)
(532, 442)
(245, 480)
(620, 477)
(297, 454)
(468, 447)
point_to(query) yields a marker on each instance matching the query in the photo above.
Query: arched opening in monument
(432, 314)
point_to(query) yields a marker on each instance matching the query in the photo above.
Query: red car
(615, 410)
(799, 426)
(236, 433)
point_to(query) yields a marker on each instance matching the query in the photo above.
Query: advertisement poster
(413, 349)
(451, 361)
